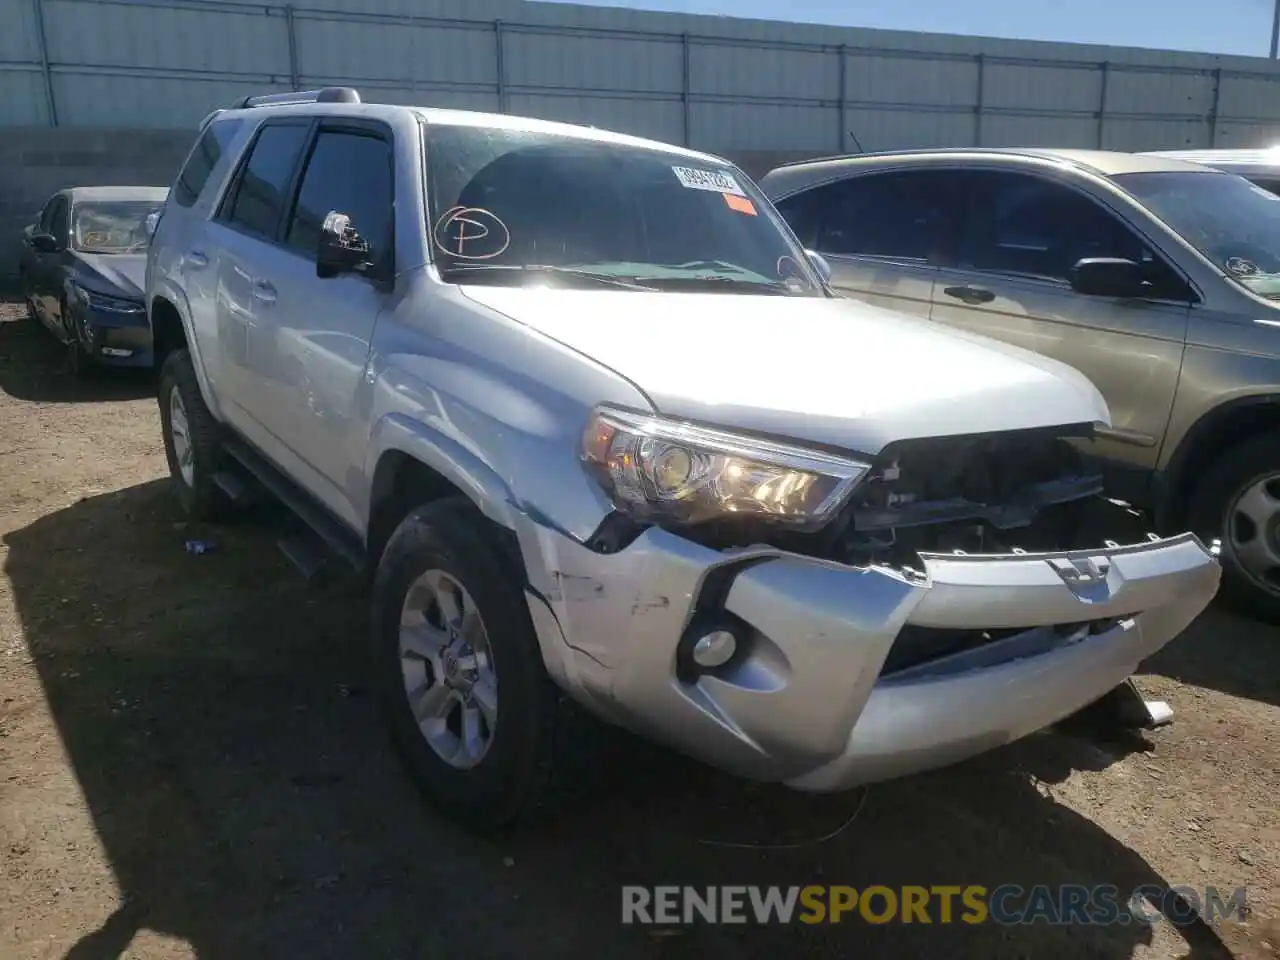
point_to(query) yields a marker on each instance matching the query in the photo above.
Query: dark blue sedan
(83, 268)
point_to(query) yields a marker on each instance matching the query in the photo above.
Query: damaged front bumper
(811, 697)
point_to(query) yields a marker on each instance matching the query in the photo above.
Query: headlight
(100, 301)
(659, 469)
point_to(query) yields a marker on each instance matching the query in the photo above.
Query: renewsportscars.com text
(1008, 904)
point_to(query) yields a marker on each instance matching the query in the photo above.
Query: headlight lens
(659, 469)
(100, 301)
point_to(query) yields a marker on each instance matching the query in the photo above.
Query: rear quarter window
(209, 149)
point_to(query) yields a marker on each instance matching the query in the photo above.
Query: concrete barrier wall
(37, 161)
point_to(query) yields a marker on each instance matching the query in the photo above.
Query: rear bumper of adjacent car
(816, 694)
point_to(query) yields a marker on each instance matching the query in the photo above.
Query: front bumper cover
(806, 699)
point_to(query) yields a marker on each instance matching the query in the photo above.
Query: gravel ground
(190, 765)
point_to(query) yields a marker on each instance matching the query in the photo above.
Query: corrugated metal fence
(719, 84)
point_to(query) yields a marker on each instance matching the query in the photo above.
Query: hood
(836, 372)
(115, 274)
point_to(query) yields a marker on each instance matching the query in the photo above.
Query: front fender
(401, 433)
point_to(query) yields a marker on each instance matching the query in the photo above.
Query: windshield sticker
(471, 233)
(741, 204)
(1242, 267)
(717, 181)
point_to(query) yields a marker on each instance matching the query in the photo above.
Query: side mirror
(341, 248)
(45, 242)
(819, 263)
(1109, 277)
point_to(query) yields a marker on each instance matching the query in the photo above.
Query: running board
(335, 536)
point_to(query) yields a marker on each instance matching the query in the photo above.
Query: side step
(309, 558)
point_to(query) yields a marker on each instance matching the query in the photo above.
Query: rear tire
(1245, 480)
(509, 779)
(193, 450)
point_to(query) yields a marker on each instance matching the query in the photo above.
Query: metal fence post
(684, 86)
(1213, 110)
(293, 47)
(1102, 103)
(841, 129)
(500, 65)
(977, 107)
(51, 105)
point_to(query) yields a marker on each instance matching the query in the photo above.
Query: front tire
(191, 443)
(465, 695)
(1238, 502)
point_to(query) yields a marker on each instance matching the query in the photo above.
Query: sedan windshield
(112, 226)
(1233, 222)
(512, 206)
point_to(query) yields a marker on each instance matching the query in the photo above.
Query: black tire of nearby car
(519, 780)
(1228, 476)
(202, 499)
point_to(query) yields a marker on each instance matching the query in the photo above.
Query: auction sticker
(717, 181)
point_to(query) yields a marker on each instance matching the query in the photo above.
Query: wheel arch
(1217, 431)
(410, 464)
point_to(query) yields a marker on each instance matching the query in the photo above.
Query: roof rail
(324, 95)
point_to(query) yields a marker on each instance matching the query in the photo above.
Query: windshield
(112, 226)
(519, 207)
(1233, 222)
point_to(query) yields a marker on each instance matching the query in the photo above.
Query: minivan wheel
(464, 693)
(1238, 502)
(190, 439)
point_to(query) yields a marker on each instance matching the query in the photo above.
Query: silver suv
(1157, 278)
(589, 414)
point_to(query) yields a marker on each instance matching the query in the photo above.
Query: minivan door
(1021, 234)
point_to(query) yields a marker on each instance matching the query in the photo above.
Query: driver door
(1021, 234)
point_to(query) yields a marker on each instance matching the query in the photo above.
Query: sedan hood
(115, 274)
(834, 372)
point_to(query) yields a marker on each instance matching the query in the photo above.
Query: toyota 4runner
(592, 418)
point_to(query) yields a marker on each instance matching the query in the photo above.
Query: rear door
(1021, 235)
(881, 232)
(245, 254)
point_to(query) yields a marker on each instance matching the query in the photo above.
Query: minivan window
(349, 173)
(1232, 222)
(208, 151)
(259, 198)
(513, 206)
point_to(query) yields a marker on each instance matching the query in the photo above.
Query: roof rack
(324, 95)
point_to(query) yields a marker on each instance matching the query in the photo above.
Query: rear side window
(905, 215)
(260, 195)
(349, 173)
(208, 151)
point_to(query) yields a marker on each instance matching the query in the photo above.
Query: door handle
(196, 259)
(264, 291)
(970, 295)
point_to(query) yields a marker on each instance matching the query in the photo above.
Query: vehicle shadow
(214, 710)
(1225, 651)
(34, 366)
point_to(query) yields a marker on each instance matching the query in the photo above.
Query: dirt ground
(190, 765)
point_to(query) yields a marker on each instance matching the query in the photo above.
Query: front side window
(1232, 222)
(348, 173)
(259, 199)
(514, 206)
(1028, 226)
(213, 143)
(112, 226)
(58, 225)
